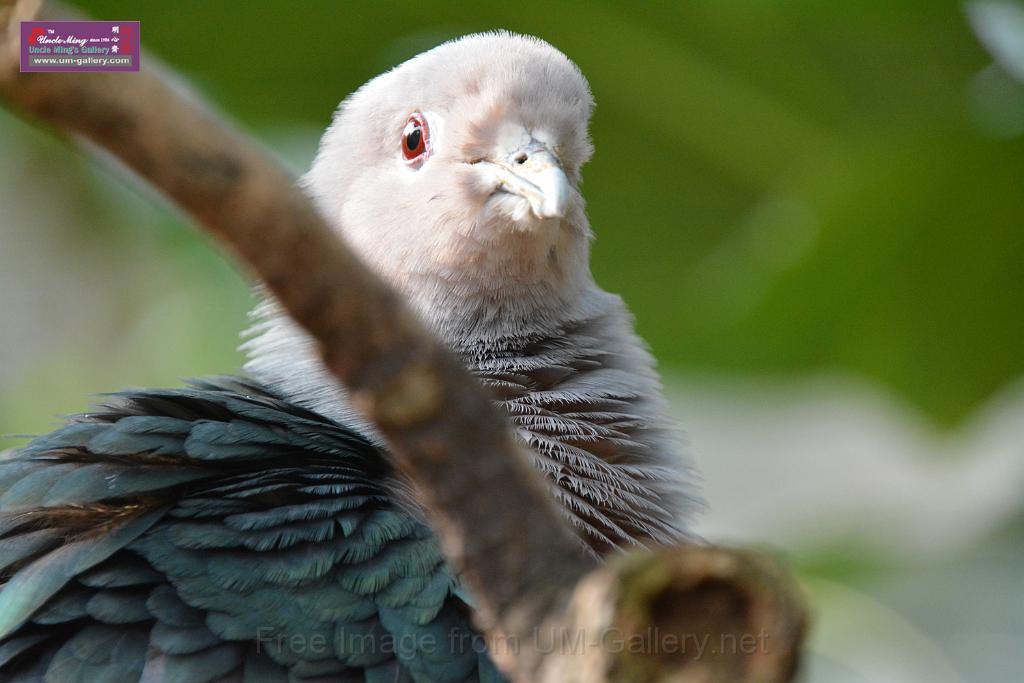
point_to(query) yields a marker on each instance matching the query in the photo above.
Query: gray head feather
(505, 284)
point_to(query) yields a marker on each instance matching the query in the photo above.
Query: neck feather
(580, 388)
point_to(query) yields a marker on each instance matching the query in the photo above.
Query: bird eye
(415, 140)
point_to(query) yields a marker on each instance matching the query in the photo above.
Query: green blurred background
(814, 209)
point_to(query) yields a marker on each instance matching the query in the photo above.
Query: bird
(252, 527)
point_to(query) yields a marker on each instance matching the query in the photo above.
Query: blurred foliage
(780, 187)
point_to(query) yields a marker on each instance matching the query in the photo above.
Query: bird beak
(534, 173)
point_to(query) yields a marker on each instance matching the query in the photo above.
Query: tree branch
(497, 523)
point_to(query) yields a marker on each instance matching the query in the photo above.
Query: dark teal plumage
(218, 533)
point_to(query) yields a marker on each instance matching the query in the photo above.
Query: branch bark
(533, 582)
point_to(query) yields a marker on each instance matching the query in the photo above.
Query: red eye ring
(415, 140)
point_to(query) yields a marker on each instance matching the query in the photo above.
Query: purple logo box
(79, 46)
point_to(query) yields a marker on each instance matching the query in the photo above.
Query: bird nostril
(521, 158)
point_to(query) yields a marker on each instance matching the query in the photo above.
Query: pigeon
(252, 528)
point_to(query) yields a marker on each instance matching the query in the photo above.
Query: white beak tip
(552, 196)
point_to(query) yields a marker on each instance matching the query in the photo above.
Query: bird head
(456, 177)
(456, 174)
